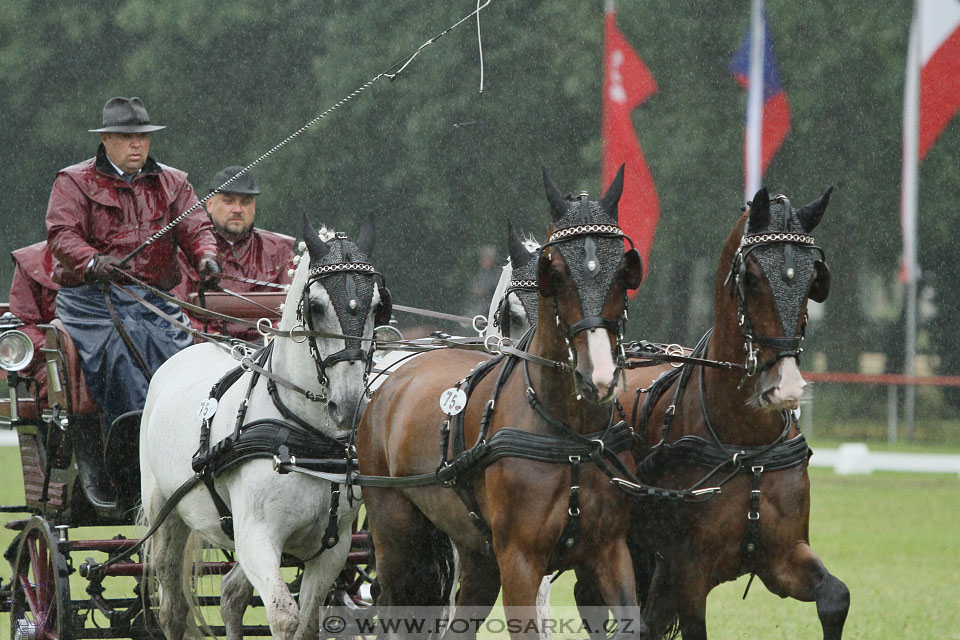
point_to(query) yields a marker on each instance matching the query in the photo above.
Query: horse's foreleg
(521, 572)
(801, 575)
(612, 575)
(319, 575)
(260, 559)
(690, 588)
(235, 594)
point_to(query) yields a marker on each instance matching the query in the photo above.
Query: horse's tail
(149, 597)
(193, 556)
(662, 615)
(446, 566)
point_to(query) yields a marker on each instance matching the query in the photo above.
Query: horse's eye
(316, 307)
(751, 280)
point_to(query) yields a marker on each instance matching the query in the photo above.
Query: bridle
(787, 346)
(502, 316)
(590, 231)
(348, 354)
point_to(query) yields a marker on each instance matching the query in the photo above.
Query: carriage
(71, 486)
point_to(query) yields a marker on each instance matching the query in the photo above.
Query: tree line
(442, 166)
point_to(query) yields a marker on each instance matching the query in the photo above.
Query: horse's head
(583, 276)
(774, 268)
(514, 305)
(339, 298)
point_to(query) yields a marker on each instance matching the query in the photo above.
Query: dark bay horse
(515, 517)
(741, 428)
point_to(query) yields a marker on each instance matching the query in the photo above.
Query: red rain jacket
(93, 211)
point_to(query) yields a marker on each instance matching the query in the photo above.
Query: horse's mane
(730, 246)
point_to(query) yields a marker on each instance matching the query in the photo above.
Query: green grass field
(893, 538)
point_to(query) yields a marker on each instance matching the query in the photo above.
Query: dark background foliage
(442, 167)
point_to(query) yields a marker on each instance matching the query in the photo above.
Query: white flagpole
(753, 177)
(909, 204)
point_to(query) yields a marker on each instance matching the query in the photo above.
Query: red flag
(626, 83)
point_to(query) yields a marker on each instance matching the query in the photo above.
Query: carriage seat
(71, 392)
(249, 309)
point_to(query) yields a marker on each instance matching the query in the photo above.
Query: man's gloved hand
(209, 271)
(105, 268)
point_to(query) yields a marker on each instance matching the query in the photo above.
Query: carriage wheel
(40, 606)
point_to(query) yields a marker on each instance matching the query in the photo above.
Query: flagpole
(753, 177)
(908, 218)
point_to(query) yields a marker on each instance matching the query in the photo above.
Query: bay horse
(301, 391)
(514, 518)
(703, 426)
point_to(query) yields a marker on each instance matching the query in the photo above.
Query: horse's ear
(317, 247)
(810, 214)
(759, 218)
(543, 276)
(633, 268)
(519, 256)
(367, 236)
(612, 196)
(558, 204)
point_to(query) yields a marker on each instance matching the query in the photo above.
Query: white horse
(513, 306)
(272, 513)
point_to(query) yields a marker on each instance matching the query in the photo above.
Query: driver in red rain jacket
(245, 253)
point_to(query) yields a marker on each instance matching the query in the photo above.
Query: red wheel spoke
(34, 559)
(28, 593)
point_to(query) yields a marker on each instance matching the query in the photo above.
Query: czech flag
(776, 109)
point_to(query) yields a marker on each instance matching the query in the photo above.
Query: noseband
(787, 346)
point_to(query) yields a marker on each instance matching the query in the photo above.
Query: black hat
(246, 182)
(126, 115)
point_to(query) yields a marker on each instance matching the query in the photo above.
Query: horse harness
(570, 447)
(713, 454)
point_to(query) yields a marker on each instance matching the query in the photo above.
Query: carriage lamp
(16, 350)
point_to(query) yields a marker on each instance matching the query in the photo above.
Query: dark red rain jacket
(93, 210)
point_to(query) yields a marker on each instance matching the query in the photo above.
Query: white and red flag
(626, 83)
(931, 100)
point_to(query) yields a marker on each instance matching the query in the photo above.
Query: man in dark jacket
(252, 259)
(32, 300)
(100, 210)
